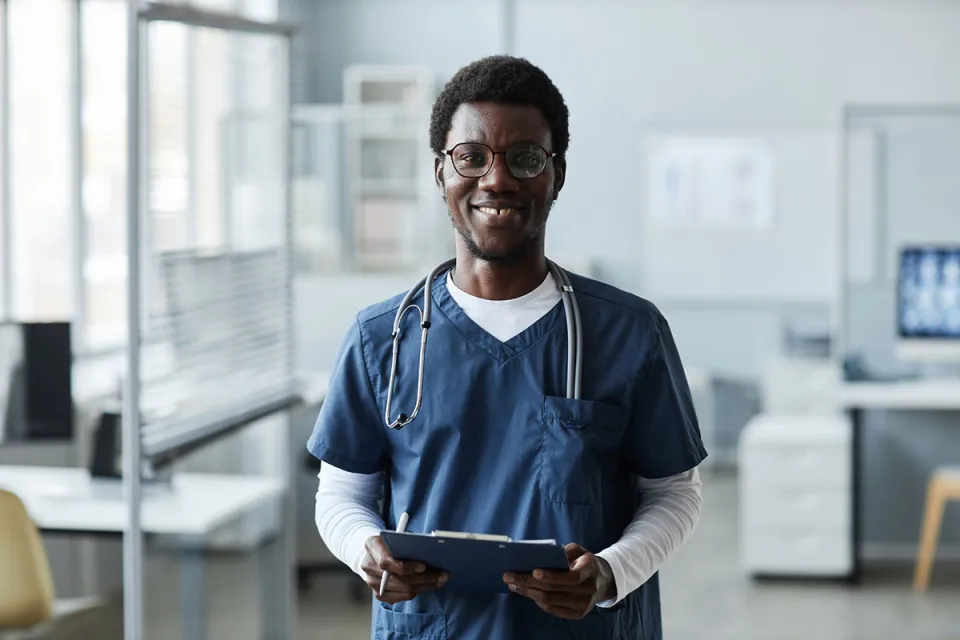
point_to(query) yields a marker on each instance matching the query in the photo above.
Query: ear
(559, 175)
(438, 163)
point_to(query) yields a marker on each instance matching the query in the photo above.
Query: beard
(511, 255)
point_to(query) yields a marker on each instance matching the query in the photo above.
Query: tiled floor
(705, 597)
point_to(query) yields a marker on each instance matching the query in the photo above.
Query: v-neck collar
(501, 351)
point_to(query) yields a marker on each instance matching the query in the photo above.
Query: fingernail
(538, 574)
(420, 568)
(514, 587)
(508, 578)
(442, 580)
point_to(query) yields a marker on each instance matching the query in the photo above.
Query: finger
(583, 569)
(553, 601)
(586, 566)
(526, 580)
(529, 586)
(558, 578)
(428, 581)
(573, 551)
(398, 590)
(380, 555)
(400, 567)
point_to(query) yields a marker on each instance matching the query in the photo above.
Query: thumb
(573, 551)
(583, 562)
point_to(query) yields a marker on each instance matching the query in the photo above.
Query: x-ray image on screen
(929, 291)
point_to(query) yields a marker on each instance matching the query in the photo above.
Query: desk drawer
(808, 466)
(796, 552)
(820, 508)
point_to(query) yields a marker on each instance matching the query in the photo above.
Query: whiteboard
(786, 253)
(711, 181)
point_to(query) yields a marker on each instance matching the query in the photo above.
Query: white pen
(401, 525)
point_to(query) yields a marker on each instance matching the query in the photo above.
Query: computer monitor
(36, 381)
(928, 304)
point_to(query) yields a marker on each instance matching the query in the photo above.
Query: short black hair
(501, 79)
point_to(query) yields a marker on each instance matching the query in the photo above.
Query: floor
(704, 597)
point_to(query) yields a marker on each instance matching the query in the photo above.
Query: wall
(629, 70)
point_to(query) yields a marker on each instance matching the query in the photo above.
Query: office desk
(193, 506)
(908, 395)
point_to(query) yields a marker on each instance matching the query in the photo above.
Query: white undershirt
(347, 512)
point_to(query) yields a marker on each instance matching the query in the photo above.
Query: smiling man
(498, 447)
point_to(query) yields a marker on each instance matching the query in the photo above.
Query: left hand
(572, 594)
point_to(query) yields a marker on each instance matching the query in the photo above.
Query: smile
(491, 211)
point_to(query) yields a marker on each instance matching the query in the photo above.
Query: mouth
(500, 217)
(499, 211)
(504, 211)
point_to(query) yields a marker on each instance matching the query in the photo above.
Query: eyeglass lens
(473, 160)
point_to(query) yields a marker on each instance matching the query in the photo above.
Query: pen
(401, 525)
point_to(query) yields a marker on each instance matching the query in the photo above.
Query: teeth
(495, 212)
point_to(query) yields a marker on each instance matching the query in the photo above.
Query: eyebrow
(514, 144)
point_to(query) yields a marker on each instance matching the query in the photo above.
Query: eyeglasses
(474, 160)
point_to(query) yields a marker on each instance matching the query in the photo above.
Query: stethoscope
(574, 336)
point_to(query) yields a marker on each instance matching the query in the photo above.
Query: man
(497, 446)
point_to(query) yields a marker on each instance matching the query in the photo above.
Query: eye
(472, 159)
(528, 159)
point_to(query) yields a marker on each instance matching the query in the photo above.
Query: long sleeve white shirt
(347, 516)
(347, 512)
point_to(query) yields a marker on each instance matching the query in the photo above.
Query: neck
(499, 280)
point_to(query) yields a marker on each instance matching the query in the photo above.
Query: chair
(944, 486)
(27, 595)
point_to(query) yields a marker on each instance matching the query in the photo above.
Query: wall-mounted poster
(715, 182)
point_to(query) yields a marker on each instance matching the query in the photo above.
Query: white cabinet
(795, 476)
(392, 201)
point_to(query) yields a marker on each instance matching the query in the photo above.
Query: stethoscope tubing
(574, 337)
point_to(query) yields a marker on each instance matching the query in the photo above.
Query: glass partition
(902, 205)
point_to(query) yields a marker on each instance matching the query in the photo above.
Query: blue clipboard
(475, 564)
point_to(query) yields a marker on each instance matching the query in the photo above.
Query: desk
(67, 500)
(907, 395)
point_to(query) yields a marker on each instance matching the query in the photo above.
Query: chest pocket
(578, 449)
(398, 625)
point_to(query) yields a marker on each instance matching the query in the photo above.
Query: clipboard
(476, 562)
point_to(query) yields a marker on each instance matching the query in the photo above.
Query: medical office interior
(779, 178)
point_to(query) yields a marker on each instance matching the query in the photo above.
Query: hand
(573, 594)
(407, 579)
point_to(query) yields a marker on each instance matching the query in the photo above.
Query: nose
(499, 179)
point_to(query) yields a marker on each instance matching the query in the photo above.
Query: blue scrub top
(498, 448)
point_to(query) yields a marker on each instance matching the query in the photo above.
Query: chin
(500, 254)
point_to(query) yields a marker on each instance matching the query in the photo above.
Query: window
(168, 167)
(40, 158)
(103, 118)
(5, 272)
(194, 91)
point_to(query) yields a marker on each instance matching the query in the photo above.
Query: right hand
(407, 579)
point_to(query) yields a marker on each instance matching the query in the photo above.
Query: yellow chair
(944, 486)
(27, 595)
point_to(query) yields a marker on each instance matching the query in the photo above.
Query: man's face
(499, 216)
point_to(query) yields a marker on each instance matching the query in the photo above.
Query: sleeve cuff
(359, 544)
(619, 579)
(324, 453)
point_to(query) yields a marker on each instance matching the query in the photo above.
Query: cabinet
(391, 199)
(795, 476)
